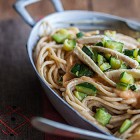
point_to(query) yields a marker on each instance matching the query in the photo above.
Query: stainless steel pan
(85, 20)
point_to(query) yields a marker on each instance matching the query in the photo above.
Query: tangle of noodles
(54, 63)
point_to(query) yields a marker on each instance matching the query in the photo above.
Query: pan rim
(33, 65)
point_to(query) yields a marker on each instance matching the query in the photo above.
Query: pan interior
(85, 21)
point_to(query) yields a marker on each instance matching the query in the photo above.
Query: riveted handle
(20, 7)
(57, 128)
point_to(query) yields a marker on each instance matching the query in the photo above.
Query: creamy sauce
(135, 137)
(129, 95)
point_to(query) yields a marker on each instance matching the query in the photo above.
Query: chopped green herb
(79, 95)
(60, 35)
(69, 45)
(126, 124)
(100, 59)
(117, 46)
(123, 66)
(135, 53)
(122, 86)
(131, 53)
(133, 87)
(86, 88)
(107, 56)
(128, 52)
(126, 78)
(88, 51)
(94, 57)
(138, 58)
(115, 63)
(105, 66)
(79, 35)
(81, 70)
(99, 44)
(102, 116)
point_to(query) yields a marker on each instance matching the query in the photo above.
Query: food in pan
(98, 74)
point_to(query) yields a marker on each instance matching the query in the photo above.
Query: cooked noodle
(53, 62)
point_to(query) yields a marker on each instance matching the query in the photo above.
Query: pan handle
(57, 128)
(20, 7)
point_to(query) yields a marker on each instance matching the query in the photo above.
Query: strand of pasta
(98, 86)
(99, 104)
(119, 107)
(84, 113)
(119, 118)
(96, 100)
(51, 62)
(39, 45)
(133, 111)
(125, 135)
(41, 71)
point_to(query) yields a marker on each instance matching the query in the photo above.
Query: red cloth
(51, 113)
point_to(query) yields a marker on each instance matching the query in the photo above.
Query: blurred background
(19, 87)
(124, 8)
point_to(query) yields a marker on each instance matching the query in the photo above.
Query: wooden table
(21, 93)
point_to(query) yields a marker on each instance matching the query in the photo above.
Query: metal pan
(85, 20)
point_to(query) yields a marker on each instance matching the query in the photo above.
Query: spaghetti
(65, 59)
